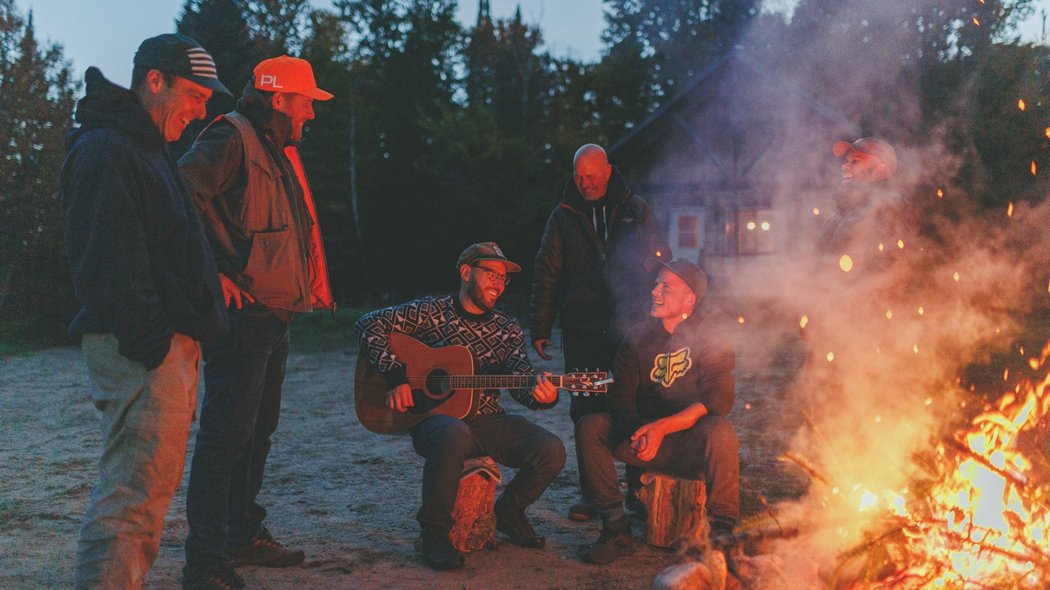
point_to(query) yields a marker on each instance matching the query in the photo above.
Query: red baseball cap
(288, 74)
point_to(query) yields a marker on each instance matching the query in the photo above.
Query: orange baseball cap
(288, 74)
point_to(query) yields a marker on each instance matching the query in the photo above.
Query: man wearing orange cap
(865, 202)
(248, 184)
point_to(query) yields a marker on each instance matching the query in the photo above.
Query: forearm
(684, 419)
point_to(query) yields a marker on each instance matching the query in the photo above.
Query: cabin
(737, 164)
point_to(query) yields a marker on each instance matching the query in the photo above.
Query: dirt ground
(343, 494)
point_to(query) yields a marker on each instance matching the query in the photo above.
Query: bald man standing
(590, 272)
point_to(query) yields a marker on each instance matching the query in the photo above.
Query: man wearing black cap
(497, 345)
(667, 411)
(248, 184)
(149, 293)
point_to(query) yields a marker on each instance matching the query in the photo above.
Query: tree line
(442, 134)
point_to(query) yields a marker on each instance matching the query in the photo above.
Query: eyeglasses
(492, 275)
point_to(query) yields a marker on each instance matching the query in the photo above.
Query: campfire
(982, 520)
(975, 515)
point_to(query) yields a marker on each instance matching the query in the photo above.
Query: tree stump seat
(674, 508)
(473, 512)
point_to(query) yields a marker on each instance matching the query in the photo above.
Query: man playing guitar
(497, 347)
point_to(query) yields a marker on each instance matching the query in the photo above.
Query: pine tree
(36, 103)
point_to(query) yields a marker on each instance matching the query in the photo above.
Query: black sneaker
(264, 550)
(512, 522)
(211, 575)
(438, 551)
(614, 542)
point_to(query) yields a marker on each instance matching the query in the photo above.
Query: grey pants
(146, 417)
(708, 451)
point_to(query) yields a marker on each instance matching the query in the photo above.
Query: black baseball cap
(690, 274)
(485, 251)
(180, 55)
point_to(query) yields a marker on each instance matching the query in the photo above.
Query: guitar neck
(498, 381)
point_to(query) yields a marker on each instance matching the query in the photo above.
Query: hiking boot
(582, 511)
(512, 522)
(614, 542)
(438, 551)
(264, 550)
(211, 575)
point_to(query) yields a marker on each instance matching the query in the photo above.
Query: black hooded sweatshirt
(142, 269)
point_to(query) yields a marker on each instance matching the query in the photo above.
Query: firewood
(674, 508)
(475, 521)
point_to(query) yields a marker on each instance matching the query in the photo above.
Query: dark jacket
(598, 287)
(142, 269)
(259, 215)
(659, 373)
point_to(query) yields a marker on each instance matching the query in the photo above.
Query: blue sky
(105, 33)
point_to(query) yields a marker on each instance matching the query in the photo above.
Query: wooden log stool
(674, 508)
(473, 512)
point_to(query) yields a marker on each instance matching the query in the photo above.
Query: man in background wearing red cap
(248, 184)
(149, 294)
(865, 204)
(667, 411)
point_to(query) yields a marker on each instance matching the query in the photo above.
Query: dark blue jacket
(142, 269)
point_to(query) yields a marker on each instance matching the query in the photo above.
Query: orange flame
(984, 523)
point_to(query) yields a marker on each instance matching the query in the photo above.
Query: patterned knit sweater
(494, 339)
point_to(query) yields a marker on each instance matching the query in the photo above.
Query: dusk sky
(105, 33)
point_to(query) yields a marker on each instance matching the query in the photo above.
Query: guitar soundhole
(438, 386)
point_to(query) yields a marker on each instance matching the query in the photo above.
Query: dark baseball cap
(180, 55)
(485, 251)
(690, 274)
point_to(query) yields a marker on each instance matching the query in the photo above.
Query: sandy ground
(343, 494)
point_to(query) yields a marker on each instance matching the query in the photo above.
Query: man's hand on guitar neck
(545, 392)
(400, 399)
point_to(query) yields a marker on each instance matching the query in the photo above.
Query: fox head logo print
(670, 366)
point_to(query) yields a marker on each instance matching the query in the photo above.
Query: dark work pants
(447, 442)
(243, 374)
(590, 350)
(587, 351)
(708, 451)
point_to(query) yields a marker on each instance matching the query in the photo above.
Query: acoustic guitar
(443, 383)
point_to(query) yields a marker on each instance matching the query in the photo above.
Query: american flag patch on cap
(201, 63)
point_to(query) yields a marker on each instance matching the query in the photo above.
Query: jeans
(146, 417)
(513, 441)
(708, 451)
(243, 375)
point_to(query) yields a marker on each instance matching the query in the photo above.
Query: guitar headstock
(586, 382)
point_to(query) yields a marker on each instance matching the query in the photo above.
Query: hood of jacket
(108, 106)
(257, 107)
(615, 194)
